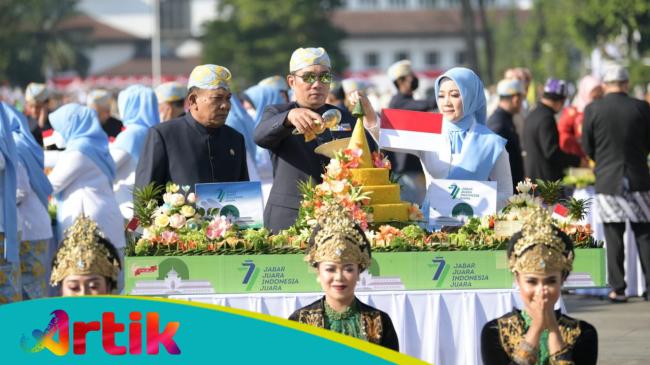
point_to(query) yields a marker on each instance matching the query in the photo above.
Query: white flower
(178, 200)
(167, 198)
(177, 221)
(191, 198)
(147, 234)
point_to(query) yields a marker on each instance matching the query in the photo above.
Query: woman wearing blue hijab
(10, 289)
(83, 176)
(262, 96)
(32, 192)
(138, 106)
(471, 150)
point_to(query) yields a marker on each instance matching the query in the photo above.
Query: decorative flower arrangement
(178, 227)
(337, 187)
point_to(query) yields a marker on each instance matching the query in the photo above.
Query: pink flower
(218, 227)
(169, 237)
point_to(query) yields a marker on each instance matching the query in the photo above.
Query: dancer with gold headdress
(340, 252)
(86, 263)
(541, 258)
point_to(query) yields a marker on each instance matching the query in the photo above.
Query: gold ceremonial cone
(359, 141)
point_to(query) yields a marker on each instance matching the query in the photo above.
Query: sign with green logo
(451, 202)
(448, 270)
(240, 200)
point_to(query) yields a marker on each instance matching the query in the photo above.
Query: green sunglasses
(310, 77)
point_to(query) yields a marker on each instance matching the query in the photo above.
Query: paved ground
(623, 329)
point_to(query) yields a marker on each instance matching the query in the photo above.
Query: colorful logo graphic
(251, 274)
(441, 270)
(59, 325)
(454, 191)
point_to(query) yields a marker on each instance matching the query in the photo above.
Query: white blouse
(437, 165)
(82, 187)
(125, 166)
(33, 218)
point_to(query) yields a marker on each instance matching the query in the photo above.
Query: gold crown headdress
(81, 253)
(540, 249)
(337, 239)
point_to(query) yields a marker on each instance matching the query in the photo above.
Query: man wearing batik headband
(406, 164)
(541, 140)
(102, 102)
(36, 110)
(197, 147)
(541, 258)
(86, 263)
(171, 100)
(294, 160)
(340, 252)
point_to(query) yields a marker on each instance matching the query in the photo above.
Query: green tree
(625, 23)
(541, 41)
(34, 46)
(255, 39)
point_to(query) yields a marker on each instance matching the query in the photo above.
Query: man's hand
(370, 118)
(42, 116)
(305, 121)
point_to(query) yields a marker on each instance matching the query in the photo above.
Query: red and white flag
(560, 212)
(48, 137)
(410, 130)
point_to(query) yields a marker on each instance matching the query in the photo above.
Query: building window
(175, 17)
(427, 4)
(401, 55)
(398, 3)
(372, 59)
(461, 57)
(367, 4)
(432, 58)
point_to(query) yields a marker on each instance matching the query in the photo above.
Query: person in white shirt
(470, 150)
(138, 106)
(33, 190)
(82, 179)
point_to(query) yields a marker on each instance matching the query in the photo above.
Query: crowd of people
(204, 132)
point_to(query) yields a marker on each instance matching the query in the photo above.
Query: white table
(633, 271)
(440, 327)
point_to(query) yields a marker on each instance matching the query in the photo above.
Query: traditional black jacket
(377, 324)
(500, 339)
(184, 151)
(293, 159)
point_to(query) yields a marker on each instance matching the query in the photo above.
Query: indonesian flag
(48, 137)
(560, 212)
(410, 130)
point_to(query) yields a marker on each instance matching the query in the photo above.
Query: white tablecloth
(633, 271)
(442, 327)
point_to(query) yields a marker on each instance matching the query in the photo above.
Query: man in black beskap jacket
(616, 135)
(511, 94)
(544, 158)
(293, 159)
